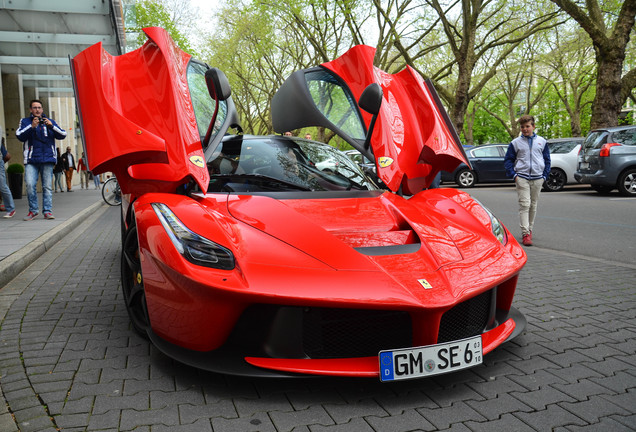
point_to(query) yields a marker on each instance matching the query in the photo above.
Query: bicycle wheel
(111, 192)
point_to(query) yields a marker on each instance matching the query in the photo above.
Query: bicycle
(111, 193)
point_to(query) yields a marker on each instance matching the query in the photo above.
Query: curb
(15, 263)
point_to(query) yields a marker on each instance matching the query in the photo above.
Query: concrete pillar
(13, 112)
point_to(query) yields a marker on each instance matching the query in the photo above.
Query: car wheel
(602, 189)
(556, 180)
(627, 183)
(132, 283)
(465, 178)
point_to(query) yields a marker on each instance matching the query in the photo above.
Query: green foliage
(152, 13)
(487, 129)
(15, 168)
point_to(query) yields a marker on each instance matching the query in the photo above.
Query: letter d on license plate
(430, 360)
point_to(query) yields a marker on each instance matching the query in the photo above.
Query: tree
(610, 33)
(482, 33)
(153, 13)
(573, 71)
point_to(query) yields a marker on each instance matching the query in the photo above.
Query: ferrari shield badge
(197, 160)
(425, 284)
(384, 161)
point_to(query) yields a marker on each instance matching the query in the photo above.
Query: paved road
(576, 220)
(70, 361)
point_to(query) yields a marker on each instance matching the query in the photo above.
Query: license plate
(430, 360)
(584, 165)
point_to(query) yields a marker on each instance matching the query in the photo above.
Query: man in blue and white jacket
(528, 162)
(39, 134)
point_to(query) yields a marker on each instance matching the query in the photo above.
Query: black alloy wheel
(556, 180)
(132, 283)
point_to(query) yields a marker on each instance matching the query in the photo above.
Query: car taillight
(605, 150)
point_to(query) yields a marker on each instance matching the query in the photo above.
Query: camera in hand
(41, 119)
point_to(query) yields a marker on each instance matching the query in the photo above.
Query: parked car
(240, 256)
(564, 156)
(607, 160)
(367, 165)
(487, 163)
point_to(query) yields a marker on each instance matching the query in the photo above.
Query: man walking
(68, 160)
(39, 134)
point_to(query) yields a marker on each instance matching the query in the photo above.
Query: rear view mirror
(218, 84)
(371, 98)
(370, 101)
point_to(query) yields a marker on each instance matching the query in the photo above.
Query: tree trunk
(608, 102)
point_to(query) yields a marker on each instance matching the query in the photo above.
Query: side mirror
(371, 98)
(370, 101)
(218, 84)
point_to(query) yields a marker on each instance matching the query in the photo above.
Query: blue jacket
(40, 142)
(528, 157)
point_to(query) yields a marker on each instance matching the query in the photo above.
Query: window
(335, 102)
(202, 103)
(486, 152)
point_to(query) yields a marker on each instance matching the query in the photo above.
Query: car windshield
(595, 140)
(266, 164)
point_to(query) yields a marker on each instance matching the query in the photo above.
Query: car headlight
(196, 249)
(496, 226)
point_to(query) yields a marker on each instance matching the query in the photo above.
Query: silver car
(564, 154)
(607, 160)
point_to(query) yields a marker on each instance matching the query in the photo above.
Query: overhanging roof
(37, 36)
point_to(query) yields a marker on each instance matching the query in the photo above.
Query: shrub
(15, 168)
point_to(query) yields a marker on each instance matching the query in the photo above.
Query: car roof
(614, 128)
(556, 140)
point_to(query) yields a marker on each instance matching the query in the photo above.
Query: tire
(132, 283)
(465, 178)
(627, 183)
(556, 180)
(111, 192)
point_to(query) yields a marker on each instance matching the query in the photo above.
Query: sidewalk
(22, 242)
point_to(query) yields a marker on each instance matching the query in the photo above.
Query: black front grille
(336, 333)
(467, 319)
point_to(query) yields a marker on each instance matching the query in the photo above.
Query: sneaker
(9, 215)
(30, 216)
(527, 240)
(48, 215)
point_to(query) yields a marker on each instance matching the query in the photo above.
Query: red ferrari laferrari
(276, 255)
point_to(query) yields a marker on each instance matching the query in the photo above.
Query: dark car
(564, 154)
(607, 160)
(488, 166)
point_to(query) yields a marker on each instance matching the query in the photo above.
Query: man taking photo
(39, 134)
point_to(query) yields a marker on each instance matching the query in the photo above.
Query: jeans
(69, 178)
(58, 181)
(528, 194)
(96, 180)
(33, 171)
(84, 179)
(7, 198)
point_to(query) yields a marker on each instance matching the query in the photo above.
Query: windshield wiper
(262, 178)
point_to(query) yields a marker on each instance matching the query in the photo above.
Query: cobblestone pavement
(70, 361)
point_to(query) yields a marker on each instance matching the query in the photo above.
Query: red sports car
(276, 255)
